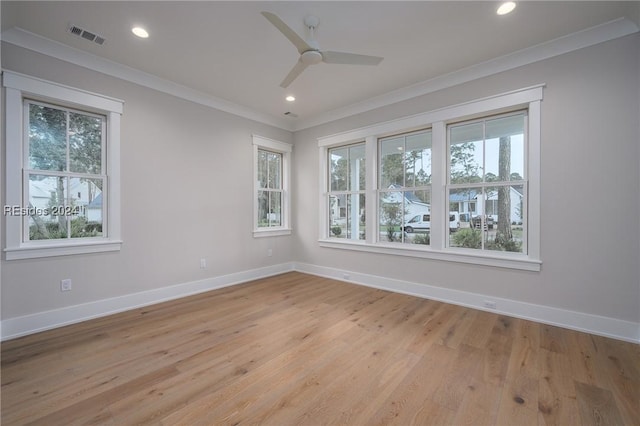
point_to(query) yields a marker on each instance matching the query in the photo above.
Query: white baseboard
(41, 321)
(594, 324)
(599, 325)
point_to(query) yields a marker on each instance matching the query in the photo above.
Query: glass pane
(506, 234)
(85, 143)
(275, 211)
(466, 153)
(269, 209)
(47, 195)
(391, 163)
(357, 170)
(347, 168)
(85, 207)
(263, 169)
(418, 160)
(463, 203)
(47, 138)
(263, 209)
(339, 169)
(504, 149)
(391, 214)
(275, 170)
(347, 216)
(417, 217)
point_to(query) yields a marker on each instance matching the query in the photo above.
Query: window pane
(417, 217)
(504, 149)
(275, 170)
(357, 170)
(507, 232)
(339, 169)
(391, 215)
(465, 202)
(263, 169)
(275, 208)
(85, 143)
(263, 209)
(418, 160)
(47, 200)
(86, 207)
(47, 138)
(466, 153)
(269, 208)
(347, 219)
(347, 168)
(391, 163)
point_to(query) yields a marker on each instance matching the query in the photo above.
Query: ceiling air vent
(87, 35)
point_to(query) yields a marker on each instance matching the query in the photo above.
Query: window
(62, 169)
(346, 192)
(457, 184)
(404, 189)
(64, 173)
(487, 181)
(271, 173)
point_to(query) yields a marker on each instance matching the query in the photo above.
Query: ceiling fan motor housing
(311, 57)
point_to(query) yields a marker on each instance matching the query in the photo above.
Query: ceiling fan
(310, 53)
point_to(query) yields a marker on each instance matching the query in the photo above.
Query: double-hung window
(404, 188)
(347, 200)
(62, 169)
(271, 176)
(460, 184)
(487, 182)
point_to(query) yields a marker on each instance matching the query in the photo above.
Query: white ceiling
(229, 52)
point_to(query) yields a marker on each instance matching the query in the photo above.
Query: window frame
(528, 99)
(284, 149)
(18, 88)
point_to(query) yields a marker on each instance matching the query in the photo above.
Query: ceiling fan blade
(349, 58)
(294, 38)
(293, 74)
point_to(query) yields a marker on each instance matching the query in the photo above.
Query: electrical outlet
(346, 276)
(269, 252)
(490, 304)
(66, 285)
(203, 263)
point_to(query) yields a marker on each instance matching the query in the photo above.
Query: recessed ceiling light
(140, 32)
(290, 98)
(506, 7)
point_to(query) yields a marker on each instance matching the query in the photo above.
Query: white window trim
(285, 149)
(527, 98)
(17, 87)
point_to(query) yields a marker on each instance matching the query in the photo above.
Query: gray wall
(589, 191)
(187, 173)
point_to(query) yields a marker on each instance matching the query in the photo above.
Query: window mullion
(439, 204)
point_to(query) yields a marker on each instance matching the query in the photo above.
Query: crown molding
(30, 41)
(591, 36)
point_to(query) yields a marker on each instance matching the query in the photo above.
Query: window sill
(33, 251)
(499, 260)
(260, 233)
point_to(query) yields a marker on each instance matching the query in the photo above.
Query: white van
(422, 222)
(419, 222)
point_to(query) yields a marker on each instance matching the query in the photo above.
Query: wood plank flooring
(297, 349)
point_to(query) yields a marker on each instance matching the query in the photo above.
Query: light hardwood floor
(299, 349)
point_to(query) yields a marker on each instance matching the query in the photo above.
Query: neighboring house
(83, 193)
(412, 204)
(470, 202)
